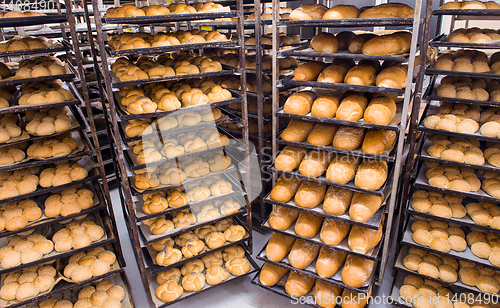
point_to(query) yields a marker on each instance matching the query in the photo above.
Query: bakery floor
(240, 293)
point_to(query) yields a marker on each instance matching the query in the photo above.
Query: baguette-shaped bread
(310, 194)
(363, 75)
(389, 10)
(308, 71)
(342, 169)
(315, 163)
(322, 134)
(298, 285)
(302, 254)
(363, 239)
(392, 77)
(353, 300)
(334, 231)
(371, 175)
(281, 218)
(278, 247)
(308, 12)
(377, 141)
(325, 294)
(307, 225)
(299, 102)
(337, 200)
(344, 38)
(356, 43)
(329, 262)
(289, 158)
(341, 11)
(297, 130)
(352, 107)
(334, 73)
(325, 106)
(356, 271)
(270, 274)
(381, 111)
(348, 137)
(324, 42)
(363, 206)
(285, 189)
(388, 45)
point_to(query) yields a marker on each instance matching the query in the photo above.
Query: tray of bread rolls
(432, 71)
(134, 20)
(341, 54)
(352, 22)
(152, 256)
(442, 41)
(305, 256)
(65, 72)
(467, 12)
(163, 223)
(341, 244)
(466, 255)
(50, 208)
(195, 283)
(57, 47)
(454, 280)
(58, 246)
(23, 21)
(343, 86)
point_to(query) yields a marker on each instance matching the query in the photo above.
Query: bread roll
(324, 42)
(342, 169)
(310, 194)
(289, 158)
(334, 231)
(270, 274)
(334, 73)
(329, 262)
(308, 225)
(315, 163)
(326, 294)
(281, 218)
(356, 271)
(344, 38)
(297, 130)
(302, 254)
(299, 102)
(388, 10)
(352, 107)
(381, 111)
(392, 77)
(388, 45)
(298, 285)
(356, 44)
(363, 75)
(371, 175)
(363, 206)
(278, 247)
(362, 239)
(322, 134)
(308, 71)
(342, 12)
(348, 137)
(308, 12)
(377, 141)
(337, 200)
(325, 106)
(285, 189)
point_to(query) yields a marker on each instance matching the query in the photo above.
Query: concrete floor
(240, 293)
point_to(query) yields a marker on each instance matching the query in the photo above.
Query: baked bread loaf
(378, 141)
(302, 254)
(299, 102)
(315, 163)
(356, 271)
(329, 262)
(337, 200)
(289, 158)
(386, 45)
(381, 111)
(352, 107)
(308, 71)
(356, 43)
(324, 42)
(363, 206)
(325, 106)
(392, 77)
(297, 130)
(325, 293)
(362, 240)
(322, 134)
(307, 225)
(333, 231)
(308, 12)
(278, 247)
(285, 189)
(334, 73)
(342, 12)
(310, 194)
(348, 137)
(363, 75)
(298, 285)
(270, 274)
(388, 10)
(371, 175)
(342, 169)
(281, 218)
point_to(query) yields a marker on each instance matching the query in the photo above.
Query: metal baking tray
(441, 41)
(63, 47)
(155, 269)
(32, 20)
(137, 20)
(310, 271)
(163, 49)
(341, 54)
(431, 71)
(153, 285)
(353, 22)
(466, 255)
(467, 12)
(373, 223)
(15, 108)
(397, 300)
(344, 86)
(373, 254)
(15, 81)
(350, 186)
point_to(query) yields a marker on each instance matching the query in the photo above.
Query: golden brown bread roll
(289, 158)
(278, 247)
(270, 274)
(371, 175)
(322, 134)
(297, 130)
(356, 43)
(308, 12)
(298, 285)
(335, 73)
(363, 75)
(310, 194)
(392, 77)
(307, 225)
(337, 200)
(302, 254)
(363, 239)
(299, 102)
(325, 106)
(387, 45)
(324, 42)
(356, 271)
(315, 163)
(308, 71)
(352, 107)
(342, 169)
(281, 218)
(381, 111)
(344, 38)
(334, 231)
(325, 294)
(363, 206)
(377, 141)
(388, 10)
(342, 12)
(348, 137)
(329, 262)
(285, 189)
